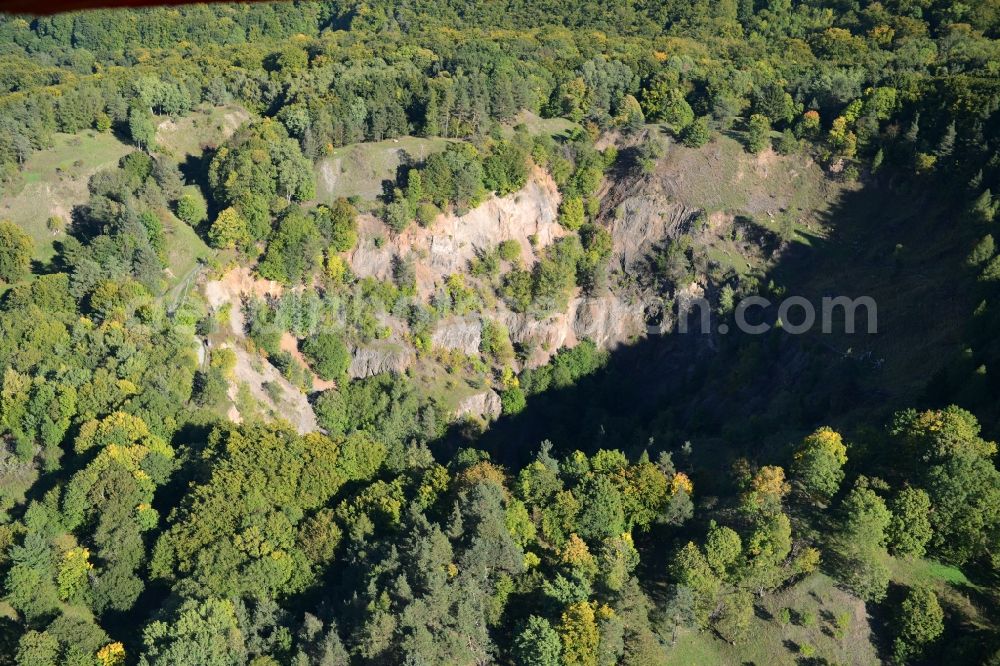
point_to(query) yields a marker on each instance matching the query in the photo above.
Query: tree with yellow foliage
(577, 555)
(818, 468)
(767, 489)
(230, 230)
(72, 575)
(112, 654)
(618, 559)
(580, 635)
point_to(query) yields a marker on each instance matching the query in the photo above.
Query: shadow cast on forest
(750, 395)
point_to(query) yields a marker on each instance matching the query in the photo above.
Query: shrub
(920, 622)
(982, 252)
(571, 213)
(506, 169)
(510, 250)
(192, 209)
(697, 133)
(55, 224)
(328, 354)
(495, 343)
(338, 224)
(512, 401)
(427, 213)
(787, 143)
(758, 133)
(397, 216)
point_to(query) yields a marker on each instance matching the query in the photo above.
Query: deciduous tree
(920, 621)
(15, 252)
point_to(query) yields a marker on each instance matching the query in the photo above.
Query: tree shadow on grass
(762, 613)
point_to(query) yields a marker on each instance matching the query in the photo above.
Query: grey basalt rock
(486, 404)
(378, 357)
(462, 333)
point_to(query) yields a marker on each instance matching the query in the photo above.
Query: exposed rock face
(640, 214)
(542, 337)
(464, 333)
(689, 193)
(255, 371)
(367, 259)
(647, 216)
(379, 357)
(606, 320)
(482, 404)
(449, 244)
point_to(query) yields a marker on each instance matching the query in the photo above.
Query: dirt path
(180, 292)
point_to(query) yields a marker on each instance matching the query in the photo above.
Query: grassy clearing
(185, 249)
(206, 127)
(833, 624)
(730, 259)
(448, 390)
(54, 181)
(364, 169)
(360, 169)
(847, 241)
(537, 125)
(7, 611)
(929, 572)
(969, 603)
(16, 478)
(748, 198)
(815, 605)
(694, 648)
(722, 176)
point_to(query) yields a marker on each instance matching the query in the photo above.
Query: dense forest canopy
(230, 435)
